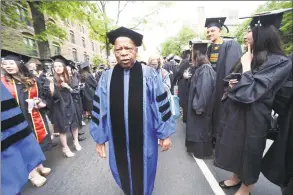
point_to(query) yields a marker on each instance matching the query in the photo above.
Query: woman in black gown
(30, 96)
(89, 89)
(74, 83)
(248, 103)
(62, 107)
(199, 107)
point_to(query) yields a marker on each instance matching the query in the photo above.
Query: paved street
(178, 173)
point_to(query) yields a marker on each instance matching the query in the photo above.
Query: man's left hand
(166, 144)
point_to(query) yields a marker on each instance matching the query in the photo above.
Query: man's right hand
(101, 150)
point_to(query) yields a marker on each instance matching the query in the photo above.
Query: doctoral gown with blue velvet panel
(132, 111)
(20, 151)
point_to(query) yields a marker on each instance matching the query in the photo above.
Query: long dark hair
(85, 72)
(266, 41)
(25, 76)
(186, 55)
(200, 55)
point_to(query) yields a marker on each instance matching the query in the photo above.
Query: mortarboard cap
(125, 32)
(170, 57)
(60, 58)
(71, 64)
(200, 44)
(84, 65)
(268, 18)
(177, 58)
(218, 22)
(10, 55)
(46, 61)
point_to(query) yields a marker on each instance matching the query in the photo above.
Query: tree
(175, 44)
(44, 32)
(97, 60)
(101, 23)
(285, 30)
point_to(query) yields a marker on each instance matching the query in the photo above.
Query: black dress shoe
(223, 185)
(80, 132)
(81, 138)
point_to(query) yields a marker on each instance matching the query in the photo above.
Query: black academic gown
(45, 83)
(98, 75)
(277, 165)
(181, 82)
(229, 53)
(89, 92)
(63, 110)
(77, 98)
(46, 144)
(246, 118)
(172, 69)
(191, 70)
(199, 110)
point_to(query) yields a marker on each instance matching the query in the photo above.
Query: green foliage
(176, 44)
(10, 14)
(286, 28)
(97, 60)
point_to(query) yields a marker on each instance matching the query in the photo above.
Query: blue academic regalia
(20, 151)
(156, 123)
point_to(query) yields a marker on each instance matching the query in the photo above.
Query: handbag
(174, 105)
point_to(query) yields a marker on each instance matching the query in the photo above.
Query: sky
(169, 20)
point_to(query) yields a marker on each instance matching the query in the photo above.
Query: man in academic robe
(223, 55)
(131, 111)
(20, 151)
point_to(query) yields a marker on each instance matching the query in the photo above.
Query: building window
(74, 54)
(85, 56)
(30, 43)
(23, 15)
(93, 46)
(83, 42)
(72, 39)
(56, 49)
(88, 58)
(83, 30)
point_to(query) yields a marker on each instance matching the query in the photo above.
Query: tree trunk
(39, 27)
(107, 48)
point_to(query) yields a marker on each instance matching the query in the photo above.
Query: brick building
(78, 46)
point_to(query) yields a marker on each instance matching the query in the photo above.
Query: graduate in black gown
(181, 79)
(222, 55)
(89, 89)
(99, 73)
(248, 103)
(199, 107)
(277, 162)
(74, 83)
(62, 106)
(29, 95)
